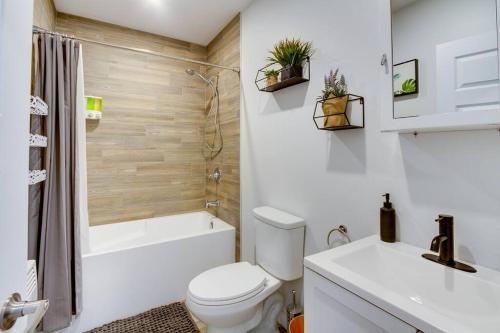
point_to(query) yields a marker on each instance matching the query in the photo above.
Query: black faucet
(443, 243)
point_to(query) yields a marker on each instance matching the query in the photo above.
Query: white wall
(419, 27)
(338, 178)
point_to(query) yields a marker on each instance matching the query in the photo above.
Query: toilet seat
(228, 284)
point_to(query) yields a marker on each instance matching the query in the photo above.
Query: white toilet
(241, 297)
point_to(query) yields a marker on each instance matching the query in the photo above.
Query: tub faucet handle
(215, 175)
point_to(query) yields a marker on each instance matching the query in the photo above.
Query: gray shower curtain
(54, 232)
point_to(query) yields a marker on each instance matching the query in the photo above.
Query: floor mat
(173, 318)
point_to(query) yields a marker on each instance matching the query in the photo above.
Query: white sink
(426, 295)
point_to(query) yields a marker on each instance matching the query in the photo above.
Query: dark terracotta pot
(292, 71)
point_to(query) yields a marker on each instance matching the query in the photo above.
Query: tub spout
(212, 203)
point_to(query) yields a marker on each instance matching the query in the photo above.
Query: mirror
(445, 56)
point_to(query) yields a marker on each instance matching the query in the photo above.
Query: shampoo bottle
(387, 221)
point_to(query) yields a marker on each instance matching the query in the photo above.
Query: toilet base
(271, 310)
(242, 328)
(264, 320)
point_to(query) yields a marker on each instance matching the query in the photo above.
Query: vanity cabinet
(331, 309)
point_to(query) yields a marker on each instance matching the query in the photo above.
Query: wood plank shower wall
(144, 157)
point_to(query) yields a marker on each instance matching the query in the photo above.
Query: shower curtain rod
(133, 49)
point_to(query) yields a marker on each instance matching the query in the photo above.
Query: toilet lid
(234, 282)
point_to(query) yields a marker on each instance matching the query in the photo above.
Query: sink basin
(428, 296)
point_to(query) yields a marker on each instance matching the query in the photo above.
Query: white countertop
(431, 297)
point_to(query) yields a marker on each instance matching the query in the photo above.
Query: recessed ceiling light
(157, 3)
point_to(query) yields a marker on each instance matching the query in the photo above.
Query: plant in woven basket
(271, 76)
(291, 54)
(334, 99)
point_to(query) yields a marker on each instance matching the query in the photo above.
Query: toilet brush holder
(293, 310)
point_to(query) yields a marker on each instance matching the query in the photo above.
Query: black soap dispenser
(387, 221)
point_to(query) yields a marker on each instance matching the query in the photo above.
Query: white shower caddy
(37, 108)
(37, 140)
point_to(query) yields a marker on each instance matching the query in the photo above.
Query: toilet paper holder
(14, 308)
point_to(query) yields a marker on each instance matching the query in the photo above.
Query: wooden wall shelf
(262, 83)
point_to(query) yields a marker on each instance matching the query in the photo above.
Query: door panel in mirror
(467, 74)
(455, 45)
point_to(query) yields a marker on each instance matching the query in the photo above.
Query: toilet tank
(279, 243)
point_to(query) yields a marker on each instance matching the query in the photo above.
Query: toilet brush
(293, 310)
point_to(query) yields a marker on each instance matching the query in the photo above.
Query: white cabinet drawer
(330, 308)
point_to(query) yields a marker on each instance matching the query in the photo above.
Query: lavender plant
(335, 86)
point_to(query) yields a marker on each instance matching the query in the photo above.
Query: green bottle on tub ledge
(94, 107)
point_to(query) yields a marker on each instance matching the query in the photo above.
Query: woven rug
(173, 318)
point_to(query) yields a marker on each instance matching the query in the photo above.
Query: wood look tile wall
(225, 50)
(44, 14)
(144, 157)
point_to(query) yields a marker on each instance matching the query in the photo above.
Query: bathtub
(134, 266)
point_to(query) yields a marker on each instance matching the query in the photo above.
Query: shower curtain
(55, 210)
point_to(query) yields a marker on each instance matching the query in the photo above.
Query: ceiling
(195, 21)
(399, 4)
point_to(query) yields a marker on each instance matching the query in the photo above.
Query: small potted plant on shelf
(334, 99)
(291, 54)
(271, 77)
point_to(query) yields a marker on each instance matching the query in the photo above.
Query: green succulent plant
(271, 72)
(291, 52)
(335, 86)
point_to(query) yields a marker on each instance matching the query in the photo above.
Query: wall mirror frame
(434, 122)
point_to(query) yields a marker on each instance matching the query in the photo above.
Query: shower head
(192, 72)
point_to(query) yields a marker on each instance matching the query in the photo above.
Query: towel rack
(341, 229)
(38, 107)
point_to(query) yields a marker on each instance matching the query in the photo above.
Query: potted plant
(271, 77)
(335, 99)
(291, 54)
